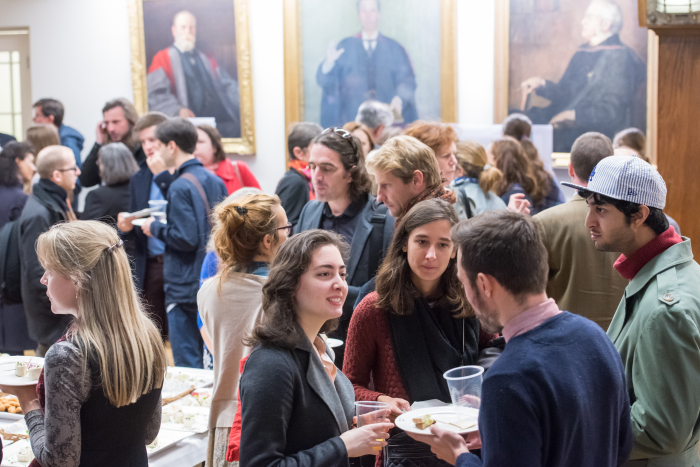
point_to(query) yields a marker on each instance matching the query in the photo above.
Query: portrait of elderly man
(366, 66)
(598, 88)
(183, 81)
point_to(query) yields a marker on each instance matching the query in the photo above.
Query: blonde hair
(214, 219)
(52, 158)
(402, 155)
(41, 136)
(110, 324)
(242, 225)
(472, 158)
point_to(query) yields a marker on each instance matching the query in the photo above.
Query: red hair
(432, 134)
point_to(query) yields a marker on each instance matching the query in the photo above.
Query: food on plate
(423, 422)
(25, 455)
(188, 421)
(201, 398)
(10, 404)
(21, 369)
(34, 370)
(177, 417)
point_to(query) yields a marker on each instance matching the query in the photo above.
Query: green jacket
(656, 329)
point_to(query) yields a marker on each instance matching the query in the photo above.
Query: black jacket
(291, 413)
(293, 191)
(139, 195)
(90, 172)
(39, 214)
(106, 202)
(4, 139)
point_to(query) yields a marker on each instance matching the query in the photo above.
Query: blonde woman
(247, 233)
(98, 401)
(476, 185)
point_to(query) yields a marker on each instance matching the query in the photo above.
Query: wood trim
(501, 61)
(448, 61)
(642, 13)
(652, 95)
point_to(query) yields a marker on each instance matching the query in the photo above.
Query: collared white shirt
(370, 42)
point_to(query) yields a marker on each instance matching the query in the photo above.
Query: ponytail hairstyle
(240, 227)
(111, 327)
(471, 156)
(510, 158)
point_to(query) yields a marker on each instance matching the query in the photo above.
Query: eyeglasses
(287, 227)
(346, 135)
(74, 168)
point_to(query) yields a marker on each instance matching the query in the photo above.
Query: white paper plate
(11, 416)
(10, 452)
(334, 342)
(7, 371)
(167, 438)
(443, 416)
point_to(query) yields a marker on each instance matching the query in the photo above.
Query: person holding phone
(297, 406)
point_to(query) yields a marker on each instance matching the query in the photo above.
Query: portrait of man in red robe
(184, 81)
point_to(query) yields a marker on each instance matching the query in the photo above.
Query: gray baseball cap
(626, 178)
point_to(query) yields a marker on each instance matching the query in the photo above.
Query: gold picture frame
(502, 41)
(293, 70)
(245, 145)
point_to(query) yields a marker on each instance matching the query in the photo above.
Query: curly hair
(513, 162)
(279, 326)
(395, 290)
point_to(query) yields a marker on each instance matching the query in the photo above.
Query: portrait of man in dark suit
(600, 88)
(366, 66)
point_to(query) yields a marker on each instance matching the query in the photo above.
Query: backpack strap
(193, 180)
(464, 199)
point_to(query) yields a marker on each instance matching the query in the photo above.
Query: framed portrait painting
(578, 65)
(191, 58)
(341, 53)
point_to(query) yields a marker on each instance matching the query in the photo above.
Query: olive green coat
(656, 329)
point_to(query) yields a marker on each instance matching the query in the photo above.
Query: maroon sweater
(369, 353)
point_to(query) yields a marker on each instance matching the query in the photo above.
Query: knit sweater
(369, 353)
(556, 397)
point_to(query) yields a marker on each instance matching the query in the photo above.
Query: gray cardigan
(291, 413)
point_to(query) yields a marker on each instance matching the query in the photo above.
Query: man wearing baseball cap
(656, 326)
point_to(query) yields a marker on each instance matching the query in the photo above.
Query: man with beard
(366, 66)
(557, 395)
(598, 88)
(183, 81)
(656, 326)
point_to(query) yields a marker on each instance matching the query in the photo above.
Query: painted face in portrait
(429, 250)
(184, 31)
(322, 288)
(330, 179)
(597, 21)
(369, 15)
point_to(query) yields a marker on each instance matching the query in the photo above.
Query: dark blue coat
(139, 195)
(71, 138)
(187, 232)
(357, 77)
(557, 396)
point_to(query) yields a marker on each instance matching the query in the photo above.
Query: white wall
(81, 55)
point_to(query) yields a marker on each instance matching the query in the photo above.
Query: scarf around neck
(303, 168)
(435, 192)
(630, 267)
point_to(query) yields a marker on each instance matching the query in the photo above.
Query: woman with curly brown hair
(247, 233)
(508, 156)
(418, 324)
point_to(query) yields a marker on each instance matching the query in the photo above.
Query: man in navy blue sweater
(190, 199)
(557, 395)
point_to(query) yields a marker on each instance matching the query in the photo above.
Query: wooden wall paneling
(678, 138)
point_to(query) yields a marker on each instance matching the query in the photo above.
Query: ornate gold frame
(293, 81)
(501, 75)
(246, 143)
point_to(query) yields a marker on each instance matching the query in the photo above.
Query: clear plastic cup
(369, 412)
(464, 384)
(158, 209)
